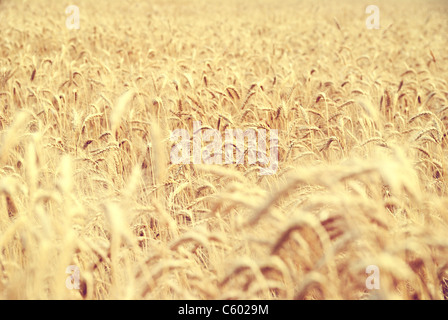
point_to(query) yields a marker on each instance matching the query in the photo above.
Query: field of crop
(89, 196)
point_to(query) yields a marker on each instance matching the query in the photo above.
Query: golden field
(85, 172)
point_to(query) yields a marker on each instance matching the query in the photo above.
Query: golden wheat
(85, 172)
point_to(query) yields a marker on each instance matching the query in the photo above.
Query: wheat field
(86, 178)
